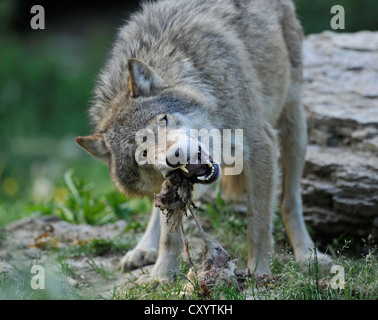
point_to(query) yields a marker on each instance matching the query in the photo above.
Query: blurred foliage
(315, 16)
(74, 201)
(45, 86)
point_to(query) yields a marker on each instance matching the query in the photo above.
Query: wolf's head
(147, 132)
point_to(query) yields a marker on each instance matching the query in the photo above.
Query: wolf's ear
(95, 146)
(143, 81)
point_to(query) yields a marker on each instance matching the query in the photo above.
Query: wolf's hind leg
(146, 251)
(293, 141)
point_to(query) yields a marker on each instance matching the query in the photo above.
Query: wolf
(192, 64)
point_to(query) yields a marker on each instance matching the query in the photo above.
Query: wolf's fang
(201, 178)
(183, 168)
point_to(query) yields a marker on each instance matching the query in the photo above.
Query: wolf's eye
(144, 154)
(163, 121)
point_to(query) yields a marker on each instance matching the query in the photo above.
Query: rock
(340, 182)
(41, 240)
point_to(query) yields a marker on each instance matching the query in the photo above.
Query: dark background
(46, 78)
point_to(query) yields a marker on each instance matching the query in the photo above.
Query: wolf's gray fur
(207, 64)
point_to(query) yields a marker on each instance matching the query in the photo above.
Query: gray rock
(340, 183)
(40, 240)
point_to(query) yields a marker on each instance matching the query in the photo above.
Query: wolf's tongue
(194, 170)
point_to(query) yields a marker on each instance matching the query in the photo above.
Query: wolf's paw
(150, 279)
(137, 258)
(321, 257)
(156, 276)
(164, 271)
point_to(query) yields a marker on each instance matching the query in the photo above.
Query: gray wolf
(184, 64)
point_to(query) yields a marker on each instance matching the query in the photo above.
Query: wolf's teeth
(209, 163)
(183, 168)
(201, 178)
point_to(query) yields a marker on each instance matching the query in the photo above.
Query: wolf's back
(203, 44)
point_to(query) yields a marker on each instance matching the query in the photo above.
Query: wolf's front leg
(146, 251)
(167, 263)
(260, 172)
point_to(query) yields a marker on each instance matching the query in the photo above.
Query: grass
(63, 278)
(16, 285)
(296, 282)
(75, 202)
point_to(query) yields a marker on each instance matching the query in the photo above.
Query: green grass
(76, 202)
(17, 285)
(296, 282)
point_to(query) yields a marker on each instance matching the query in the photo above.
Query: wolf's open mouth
(205, 171)
(200, 173)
